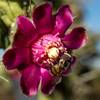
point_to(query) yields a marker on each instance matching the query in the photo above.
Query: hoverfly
(62, 64)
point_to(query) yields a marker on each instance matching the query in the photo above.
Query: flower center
(50, 53)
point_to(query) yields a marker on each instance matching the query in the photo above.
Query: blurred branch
(79, 87)
(4, 79)
(89, 76)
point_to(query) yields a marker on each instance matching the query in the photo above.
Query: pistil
(53, 53)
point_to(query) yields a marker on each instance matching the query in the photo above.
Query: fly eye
(66, 64)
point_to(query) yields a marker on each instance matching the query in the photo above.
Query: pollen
(53, 53)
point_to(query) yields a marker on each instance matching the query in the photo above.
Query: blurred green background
(83, 83)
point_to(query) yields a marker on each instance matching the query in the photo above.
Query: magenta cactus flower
(41, 51)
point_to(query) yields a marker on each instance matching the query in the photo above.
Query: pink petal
(25, 32)
(13, 58)
(30, 80)
(64, 19)
(43, 19)
(48, 82)
(76, 39)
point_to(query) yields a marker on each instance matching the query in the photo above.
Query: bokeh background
(83, 83)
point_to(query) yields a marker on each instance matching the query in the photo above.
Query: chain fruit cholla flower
(41, 49)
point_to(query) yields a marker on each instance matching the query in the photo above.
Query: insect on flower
(40, 50)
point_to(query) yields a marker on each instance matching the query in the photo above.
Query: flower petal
(25, 32)
(76, 39)
(30, 80)
(48, 82)
(43, 19)
(13, 58)
(64, 19)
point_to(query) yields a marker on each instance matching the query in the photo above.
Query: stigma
(53, 53)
